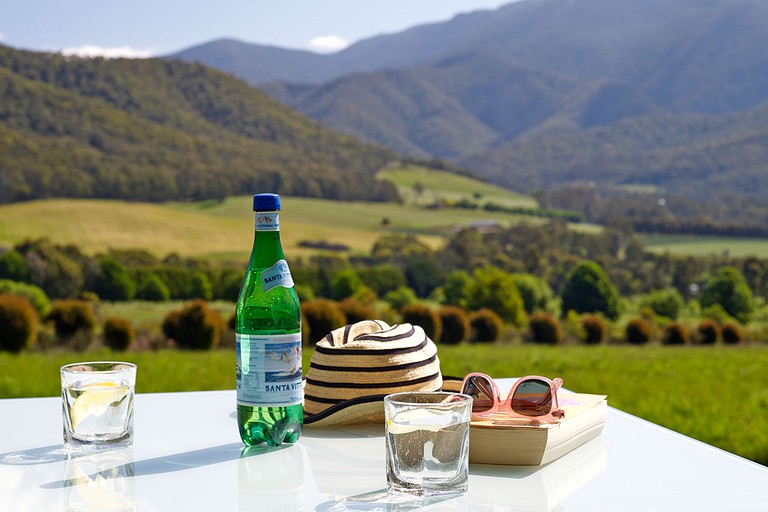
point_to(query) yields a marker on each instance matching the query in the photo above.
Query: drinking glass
(97, 404)
(427, 441)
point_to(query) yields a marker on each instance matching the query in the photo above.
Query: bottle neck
(267, 248)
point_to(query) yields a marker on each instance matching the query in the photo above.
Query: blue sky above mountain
(143, 28)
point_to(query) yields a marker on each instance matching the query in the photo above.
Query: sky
(144, 28)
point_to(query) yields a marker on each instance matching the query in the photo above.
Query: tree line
(514, 274)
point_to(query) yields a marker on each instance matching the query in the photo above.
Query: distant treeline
(698, 227)
(397, 263)
(468, 204)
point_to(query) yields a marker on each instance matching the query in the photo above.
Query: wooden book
(517, 441)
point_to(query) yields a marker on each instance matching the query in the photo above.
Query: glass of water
(427, 440)
(97, 404)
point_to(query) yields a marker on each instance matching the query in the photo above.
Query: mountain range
(157, 130)
(548, 93)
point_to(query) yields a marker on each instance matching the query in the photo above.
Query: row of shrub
(197, 326)
(474, 270)
(74, 324)
(640, 331)
(452, 325)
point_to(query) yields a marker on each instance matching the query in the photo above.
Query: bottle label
(267, 221)
(277, 275)
(268, 371)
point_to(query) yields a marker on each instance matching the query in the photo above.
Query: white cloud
(2, 36)
(331, 43)
(114, 52)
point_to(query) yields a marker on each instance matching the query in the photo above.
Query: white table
(187, 457)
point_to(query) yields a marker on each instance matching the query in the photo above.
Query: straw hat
(355, 366)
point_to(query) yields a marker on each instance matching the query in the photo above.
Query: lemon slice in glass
(95, 401)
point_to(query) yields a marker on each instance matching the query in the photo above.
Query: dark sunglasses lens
(532, 398)
(481, 392)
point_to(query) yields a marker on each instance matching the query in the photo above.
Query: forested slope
(158, 130)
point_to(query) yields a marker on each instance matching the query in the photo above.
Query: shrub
(18, 323)
(306, 277)
(455, 323)
(119, 334)
(638, 331)
(114, 281)
(53, 268)
(323, 316)
(366, 296)
(594, 330)
(454, 290)
(305, 293)
(382, 278)
(423, 275)
(424, 317)
(708, 331)
(345, 284)
(400, 297)
(733, 333)
(72, 318)
(536, 293)
(729, 288)
(227, 285)
(34, 294)
(667, 303)
(199, 326)
(150, 287)
(306, 332)
(717, 313)
(494, 289)
(588, 289)
(675, 334)
(170, 324)
(13, 266)
(200, 286)
(355, 311)
(544, 328)
(232, 322)
(486, 326)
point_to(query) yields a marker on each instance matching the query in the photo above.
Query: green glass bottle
(268, 338)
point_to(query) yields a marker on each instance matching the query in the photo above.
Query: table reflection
(100, 481)
(270, 479)
(541, 488)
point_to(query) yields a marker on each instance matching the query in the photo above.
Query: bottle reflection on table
(271, 479)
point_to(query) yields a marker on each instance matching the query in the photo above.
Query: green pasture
(696, 245)
(225, 229)
(713, 394)
(420, 185)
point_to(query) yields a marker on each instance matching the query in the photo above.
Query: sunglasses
(531, 397)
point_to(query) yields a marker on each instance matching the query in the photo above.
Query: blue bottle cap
(266, 203)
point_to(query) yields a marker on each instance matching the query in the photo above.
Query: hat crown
(369, 359)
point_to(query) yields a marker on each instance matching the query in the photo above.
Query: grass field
(707, 245)
(439, 185)
(712, 394)
(224, 229)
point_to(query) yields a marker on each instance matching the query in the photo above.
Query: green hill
(155, 130)
(224, 229)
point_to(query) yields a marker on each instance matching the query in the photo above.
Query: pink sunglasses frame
(505, 406)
